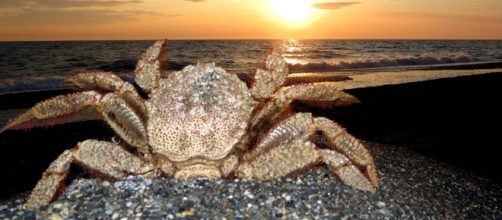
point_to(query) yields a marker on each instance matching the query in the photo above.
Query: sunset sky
(249, 19)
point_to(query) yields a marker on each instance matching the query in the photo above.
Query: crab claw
(19, 120)
(69, 108)
(28, 120)
(149, 67)
(346, 99)
(58, 110)
(269, 80)
(322, 92)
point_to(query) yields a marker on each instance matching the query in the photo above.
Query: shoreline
(347, 79)
(55, 83)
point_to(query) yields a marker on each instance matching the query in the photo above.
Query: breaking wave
(424, 59)
(128, 65)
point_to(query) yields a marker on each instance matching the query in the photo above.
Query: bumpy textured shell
(199, 112)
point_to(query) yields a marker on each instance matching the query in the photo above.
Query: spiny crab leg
(324, 91)
(148, 70)
(340, 140)
(286, 149)
(298, 126)
(109, 82)
(109, 159)
(122, 118)
(280, 100)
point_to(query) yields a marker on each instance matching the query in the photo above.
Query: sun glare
(292, 12)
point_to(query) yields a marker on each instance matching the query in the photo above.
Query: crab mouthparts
(198, 171)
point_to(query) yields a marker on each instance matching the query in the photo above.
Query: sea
(35, 66)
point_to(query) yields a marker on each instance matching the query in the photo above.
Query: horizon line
(259, 39)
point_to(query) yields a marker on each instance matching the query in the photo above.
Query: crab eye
(112, 116)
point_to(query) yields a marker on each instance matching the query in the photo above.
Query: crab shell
(199, 112)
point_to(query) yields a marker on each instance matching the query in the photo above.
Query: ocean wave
(172, 65)
(129, 65)
(424, 59)
(125, 65)
(497, 55)
(125, 68)
(30, 85)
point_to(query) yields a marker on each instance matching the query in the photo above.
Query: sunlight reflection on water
(293, 51)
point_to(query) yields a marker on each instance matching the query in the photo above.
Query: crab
(200, 122)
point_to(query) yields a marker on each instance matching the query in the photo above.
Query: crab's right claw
(321, 91)
(149, 67)
(267, 81)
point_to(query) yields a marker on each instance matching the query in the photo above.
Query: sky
(22, 20)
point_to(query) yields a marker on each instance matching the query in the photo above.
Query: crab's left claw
(108, 82)
(17, 121)
(58, 110)
(66, 108)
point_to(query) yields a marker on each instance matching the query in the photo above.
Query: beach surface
(436, 153)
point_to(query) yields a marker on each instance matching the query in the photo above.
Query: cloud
(12, 3)
(332, 5)
(77, 16)
(65, 17)
(72, 12)
(64, 3)
(466, 18)
(82, 3)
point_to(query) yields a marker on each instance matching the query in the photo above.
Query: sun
(292, 12)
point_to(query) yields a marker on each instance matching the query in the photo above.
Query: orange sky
(249, 19)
